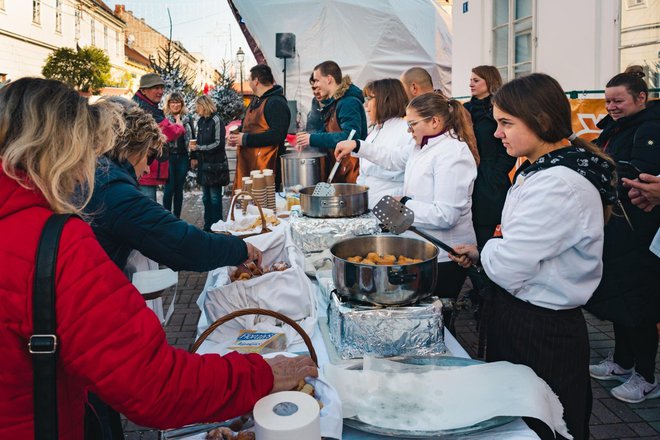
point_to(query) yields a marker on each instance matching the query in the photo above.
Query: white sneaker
(607, 369)
(636, 389)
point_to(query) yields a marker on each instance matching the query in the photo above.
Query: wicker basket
(255, 311)
(247, 195)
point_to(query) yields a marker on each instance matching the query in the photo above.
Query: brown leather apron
(350, 166)
(254, 158)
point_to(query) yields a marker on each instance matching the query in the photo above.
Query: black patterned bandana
(594, 168)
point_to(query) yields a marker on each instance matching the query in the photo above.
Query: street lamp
(240, 57)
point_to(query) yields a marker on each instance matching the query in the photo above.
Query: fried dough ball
(245, 435)
(355, 259)
(368, 262)
(222, 433)
(373, 256)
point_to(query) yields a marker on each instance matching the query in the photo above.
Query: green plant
(86, 69)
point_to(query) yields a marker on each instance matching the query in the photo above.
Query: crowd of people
(577, 227)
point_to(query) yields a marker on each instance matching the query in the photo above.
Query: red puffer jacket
(110, 343)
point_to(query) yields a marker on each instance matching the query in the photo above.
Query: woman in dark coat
(492, 182)
(628, 294)
(210, 158)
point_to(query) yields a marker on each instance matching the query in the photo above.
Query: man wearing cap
(147, 97)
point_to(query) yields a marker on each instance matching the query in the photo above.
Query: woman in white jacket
(548, 261)
(385, 102)
(440, 168)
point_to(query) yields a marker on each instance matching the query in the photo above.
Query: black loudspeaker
(285, 45)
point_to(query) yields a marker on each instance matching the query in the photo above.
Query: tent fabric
(369, 39)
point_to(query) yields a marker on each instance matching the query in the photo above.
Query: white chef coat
(552, 246)
(383, 182)
(438, 178)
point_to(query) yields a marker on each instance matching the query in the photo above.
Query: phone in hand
(627, 170)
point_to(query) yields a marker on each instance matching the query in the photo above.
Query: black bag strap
(43, 343)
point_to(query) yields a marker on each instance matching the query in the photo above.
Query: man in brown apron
(264, 127)
(343, 111)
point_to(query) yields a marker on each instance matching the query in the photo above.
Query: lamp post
(240, 57)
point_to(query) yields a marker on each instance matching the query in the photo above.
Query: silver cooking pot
(385, 285)
(349, 200)
(302, 169)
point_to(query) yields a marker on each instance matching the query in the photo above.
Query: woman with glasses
(440, 167)
(176, 111)
(385, 102)
(628, 293)
(492, 182)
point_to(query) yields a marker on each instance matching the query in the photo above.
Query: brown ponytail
(456, 117)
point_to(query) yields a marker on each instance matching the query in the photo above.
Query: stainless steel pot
(302, 169)
(385, 285)
(349, 200)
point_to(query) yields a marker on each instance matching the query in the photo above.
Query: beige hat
(150, 80)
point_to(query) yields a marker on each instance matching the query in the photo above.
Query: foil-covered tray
(442, 361)
(355, 330)
(318, 234)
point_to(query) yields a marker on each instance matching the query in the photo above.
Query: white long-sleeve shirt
(383, 182)
(438, 178)
(552, 245)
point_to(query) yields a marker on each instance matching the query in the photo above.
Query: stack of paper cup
(259, 189)
(270, 188)
(247, 187)
(243, 179)
(287, 415)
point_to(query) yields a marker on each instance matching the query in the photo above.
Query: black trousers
(636, 347)
(451, 277)
(553, 343)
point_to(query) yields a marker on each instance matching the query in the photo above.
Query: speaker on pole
(285, 45)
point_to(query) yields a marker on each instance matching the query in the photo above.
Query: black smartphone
(627, 170)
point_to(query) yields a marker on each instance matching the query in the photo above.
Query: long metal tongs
(325, 189)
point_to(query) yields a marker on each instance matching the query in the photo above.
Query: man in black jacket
(264, 129)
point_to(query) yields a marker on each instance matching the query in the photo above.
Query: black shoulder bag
(43, 343)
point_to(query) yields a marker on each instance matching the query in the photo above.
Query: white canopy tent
(369, 39)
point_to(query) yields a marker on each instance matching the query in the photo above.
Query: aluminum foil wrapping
(318, 234)
(415, 330)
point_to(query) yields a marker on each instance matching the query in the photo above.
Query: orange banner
(585, 114)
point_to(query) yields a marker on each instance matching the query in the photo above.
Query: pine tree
(176, 76)
(228, 100)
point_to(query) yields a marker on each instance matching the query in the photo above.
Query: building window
(77, 25)
(105, 38)
(513, 37)
(36, 11)
(93, 32)
(2, 5)
(58, 16)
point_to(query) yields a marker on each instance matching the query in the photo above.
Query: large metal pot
(349, 200)
(302, 169)
(385, 285)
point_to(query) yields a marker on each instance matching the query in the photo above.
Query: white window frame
(105, 38)
(92, 26)
(635, 4)
(76, 25)
(36, 11)
(2, 5)
(58, 16)
(511, 39)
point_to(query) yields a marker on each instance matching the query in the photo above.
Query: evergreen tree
(176, 76)
(228, 100)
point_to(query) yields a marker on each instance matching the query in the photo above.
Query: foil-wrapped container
(356, 330)
(318, 234)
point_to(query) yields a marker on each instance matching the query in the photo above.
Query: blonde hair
(50, 137)
(207, 105)
(175, 97)
(140, 134)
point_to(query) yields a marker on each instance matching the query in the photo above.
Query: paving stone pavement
(610, 418)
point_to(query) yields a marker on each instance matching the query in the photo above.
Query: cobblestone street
(610, 419)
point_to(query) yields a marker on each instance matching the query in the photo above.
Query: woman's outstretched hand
(288, 371)
(344, 148)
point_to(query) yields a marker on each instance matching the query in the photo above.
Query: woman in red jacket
(47, 132)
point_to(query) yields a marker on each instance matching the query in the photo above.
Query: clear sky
(205, 26)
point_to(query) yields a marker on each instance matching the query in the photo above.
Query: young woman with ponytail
(548, 261)
(440, 166)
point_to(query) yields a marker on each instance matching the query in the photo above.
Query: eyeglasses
(411, 124)
(151, 156)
